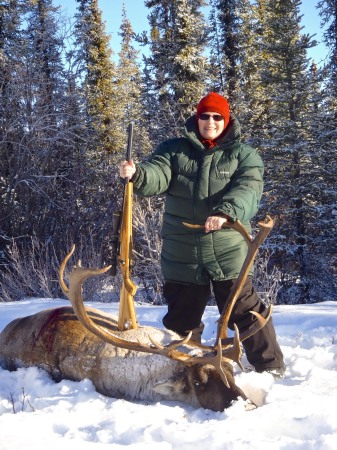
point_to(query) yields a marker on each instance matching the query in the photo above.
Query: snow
(296, 413)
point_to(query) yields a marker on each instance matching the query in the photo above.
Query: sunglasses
(215, 117)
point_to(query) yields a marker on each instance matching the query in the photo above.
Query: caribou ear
(165, 388)
(175, 384)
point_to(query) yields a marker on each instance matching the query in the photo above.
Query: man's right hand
(127, 169)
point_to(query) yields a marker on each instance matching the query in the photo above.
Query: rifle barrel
(130, 138)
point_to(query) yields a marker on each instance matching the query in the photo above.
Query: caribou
(141, 364)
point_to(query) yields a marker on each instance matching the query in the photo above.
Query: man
(209, 177)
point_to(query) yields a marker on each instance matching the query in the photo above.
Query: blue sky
(137, 14)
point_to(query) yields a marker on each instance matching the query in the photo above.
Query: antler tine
(174, 344)
(226, 342)
(237, 226)
(77, 273)
(260, 323)
(64, 287)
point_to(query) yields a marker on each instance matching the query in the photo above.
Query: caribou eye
(196, 383)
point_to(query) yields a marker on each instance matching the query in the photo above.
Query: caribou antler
(211, 355)
(226, 349)
(74, 293)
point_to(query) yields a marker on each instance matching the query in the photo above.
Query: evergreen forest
(66, 100)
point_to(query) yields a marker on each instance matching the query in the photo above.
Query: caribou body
(143, 363)
(57, 342)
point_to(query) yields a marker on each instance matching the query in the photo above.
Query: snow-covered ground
(297, 413)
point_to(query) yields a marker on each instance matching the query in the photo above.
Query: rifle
(127, 315)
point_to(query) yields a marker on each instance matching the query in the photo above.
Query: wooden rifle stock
(127, 315)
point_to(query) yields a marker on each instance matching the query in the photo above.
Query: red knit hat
(214, 102)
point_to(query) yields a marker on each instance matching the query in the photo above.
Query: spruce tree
(38, 167)
(97, 72)
(190, 66)
(236, 56)
(253, 103)
(129, 92)
(12, 122)
(37, 91)
(285, 142)
(96, 75)
(225, 54)
(324, 155)
(176, 70)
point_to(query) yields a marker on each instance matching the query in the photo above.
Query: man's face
(211, 125)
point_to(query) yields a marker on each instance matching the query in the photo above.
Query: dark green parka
(198, 183)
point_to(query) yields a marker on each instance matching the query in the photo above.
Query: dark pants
(187, 303)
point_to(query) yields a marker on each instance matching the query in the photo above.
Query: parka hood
(230, 135)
